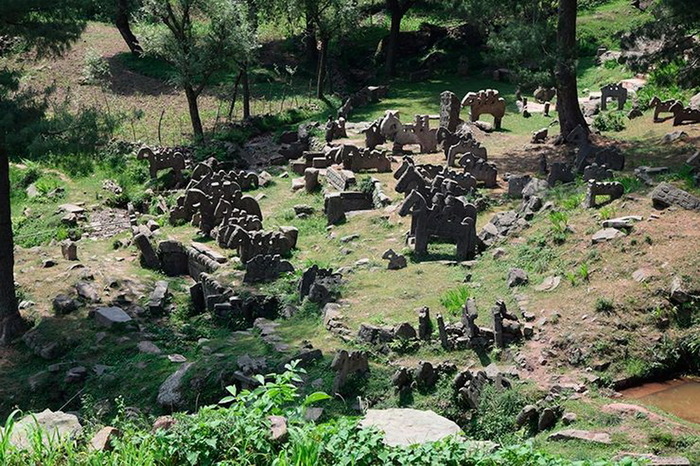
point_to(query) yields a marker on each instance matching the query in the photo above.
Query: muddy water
(678, 396)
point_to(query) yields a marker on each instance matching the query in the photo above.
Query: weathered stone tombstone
(543, 94)
(615, 92)
(614, 190)
(348, 363)
(442, 332)
(482, 171)
(516, 184)
(682, 115)
(311, 180)
(69, 250)
(266, 267)
(612, 157)
(540, 136)
(489, 102)
(559, 172)
(335, 129)
(333, 208)
(448, 218)
(597, 172)
(419, 132)
(396, 261)
(450, 108)
(425, 327)
(661, 106)
(162, 160)
(373, 135)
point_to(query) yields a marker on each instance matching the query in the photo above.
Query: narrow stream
(680, 397)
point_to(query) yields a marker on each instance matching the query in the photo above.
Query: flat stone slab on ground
(549, 284)
(585, 435)
(213, 255)
(409, 426)
(606, 234)
(71, 208)
(622, 222)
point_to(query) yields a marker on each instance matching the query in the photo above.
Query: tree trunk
(322, 63)
(11, 323)
(392, 43)
(122, 23)
(568, 106)
(194, 114)
(310, 36)
(246, 93)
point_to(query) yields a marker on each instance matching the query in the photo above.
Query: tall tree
(568, 106)
(122, 15)
(47, 27)
(199, 38)
(328, 19)
(397, 9)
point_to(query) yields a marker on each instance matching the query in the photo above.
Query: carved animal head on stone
(411, 179)
(414, 202)
(390, 125)
(145, 153)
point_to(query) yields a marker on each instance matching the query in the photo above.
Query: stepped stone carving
(348, 363)
(486, 102)
(419, 132)
(162, 159)
(265, 268)
(682, 115)
(447, 218)
(483, 171)
(661, 106)
(613, 189)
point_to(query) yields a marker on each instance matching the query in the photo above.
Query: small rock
(498, 253)
(303, 209)
(164, 423)
(63, 304)
(148, 347)
(48, 263)
(103, 440)
(177, 358)
(347, 239)
(516, 277)
(109, 316)
(278, 428)
(569, 418)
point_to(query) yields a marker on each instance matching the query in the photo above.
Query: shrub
(612, 121)
(604, 305)
(454, 299)
(96, 69)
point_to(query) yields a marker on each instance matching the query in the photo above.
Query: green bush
(454, 299)
(611, 121)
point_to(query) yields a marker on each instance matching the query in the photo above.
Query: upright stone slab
(443, 332)
(450, 107)
(69, 250)
(425, 328)
(149, 258)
